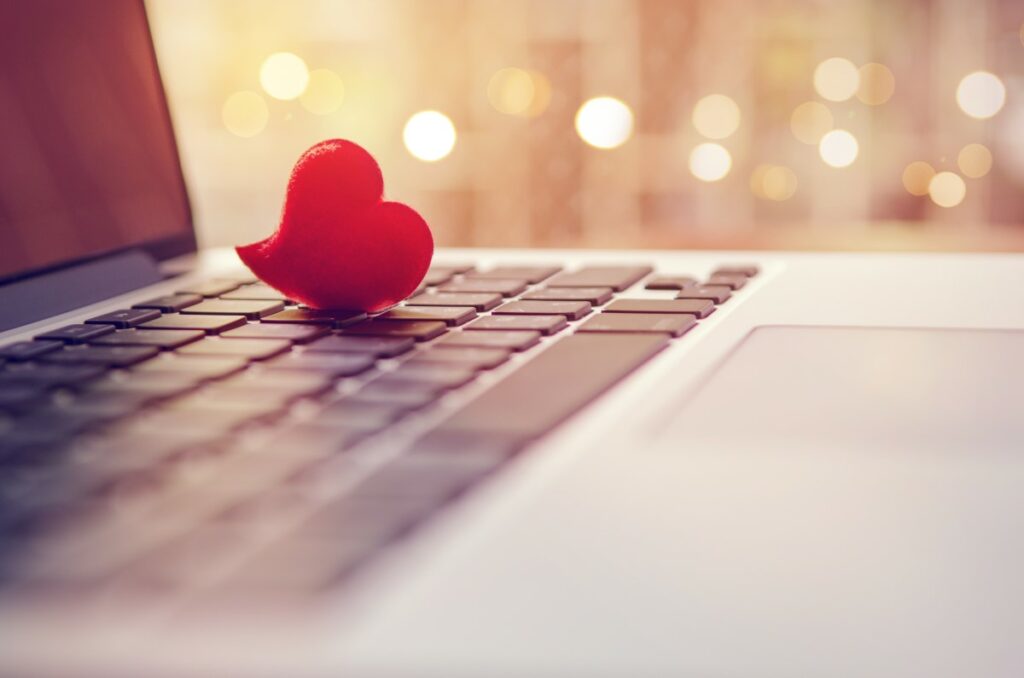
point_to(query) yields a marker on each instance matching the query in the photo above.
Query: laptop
(545, 463)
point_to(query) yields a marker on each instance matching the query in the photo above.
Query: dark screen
(88, 163)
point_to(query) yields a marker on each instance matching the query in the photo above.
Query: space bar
(546, 391)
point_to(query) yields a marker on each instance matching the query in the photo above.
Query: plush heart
(339, 244)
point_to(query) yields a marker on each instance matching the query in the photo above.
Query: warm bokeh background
(661, 165)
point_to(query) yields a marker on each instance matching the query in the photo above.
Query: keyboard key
(436, 377)
(470, 358)
(360, 414)
(129, 317)
(672, 324)
(402, 394)
(435, 476)
(479, 301)
(506, 288)
(546, 390)
(333, 364)
(172, 303)
(616, 277)
(450, 315)
(165, 339)
(299, 334)
(733, 282)
(113, 356)
(250, 349)
(701, 308)
(545, 324)
(195, 367)
(670, 282)
(22, 397)
(27, 350)
(211, 324)
(49, 375)
(715, 293)
(281, 386)
(313, 316)
(204, 402)
(150, 385)
(242, 277)
(251, 309)
(531, 274)
(76, 334)
(296, 381)
(211, 288)
(592, 295)
(382, 347)
(420, 330)
(105, 406)
(206, 415)
(572, 310)
(512, 340)
(259, 292)
(748, 270)
(436, 276)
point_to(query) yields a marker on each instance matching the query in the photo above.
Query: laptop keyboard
(224, 437)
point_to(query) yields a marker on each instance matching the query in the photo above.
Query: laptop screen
(88, 164)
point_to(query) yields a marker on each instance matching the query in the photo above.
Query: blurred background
(799, 124)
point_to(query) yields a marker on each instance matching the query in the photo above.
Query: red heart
(340, 245)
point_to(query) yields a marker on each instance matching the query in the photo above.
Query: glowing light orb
(716, 116)
(877, 84)
(810, 122)
(981, 94)
(710, 162)
(284, 76)
(838, 148)
(604, 122)
(916, 177)
(245, 114)
(974, 160)
(947, 189)
(325, 92)
(429, 135)
(836, 79)
(511, 91)
(779, 183)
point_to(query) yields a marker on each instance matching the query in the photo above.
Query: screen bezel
(162, 248)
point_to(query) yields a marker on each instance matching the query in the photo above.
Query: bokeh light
(716, 116)
(541, 94)
(511, 91)
(877, 84)
(710, 162)
(974, 160)
(284, 76)
(836, 79)
(947, 189)
(779, 183)
(838, 148)
(981, 94)
(245, 114)
(604, 122)
(810, 122)
(773, 182)
(429, 135)
(325, 92)
(916, 177)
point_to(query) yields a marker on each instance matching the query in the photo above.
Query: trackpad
(916, 389)
(848, 502)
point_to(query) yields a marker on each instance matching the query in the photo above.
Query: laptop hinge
(49, 294)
